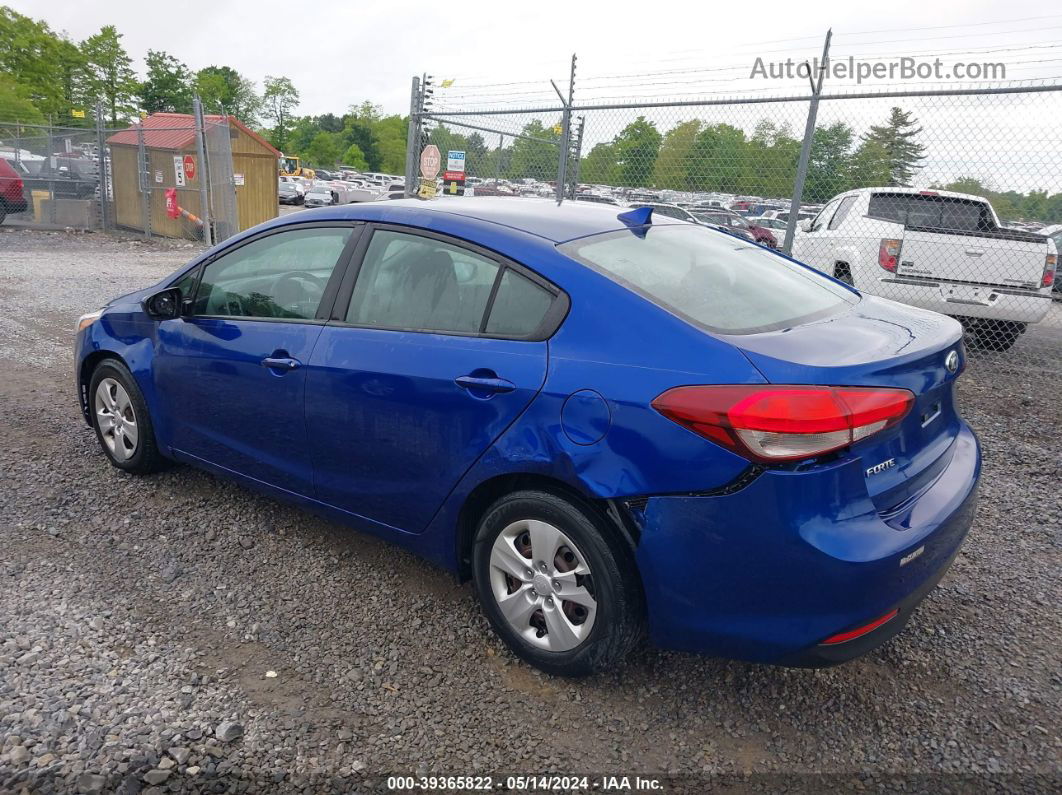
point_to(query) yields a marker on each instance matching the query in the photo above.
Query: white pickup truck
(937, 250)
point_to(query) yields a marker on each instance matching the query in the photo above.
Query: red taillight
(784, 423)
(889, 254)
(859, 632)
(1049, 270)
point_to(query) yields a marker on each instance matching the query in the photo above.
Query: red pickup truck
(12, 195)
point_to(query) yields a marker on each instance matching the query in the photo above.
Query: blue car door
(438, 349)
(231, 373)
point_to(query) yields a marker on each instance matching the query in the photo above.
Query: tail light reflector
(842, 637)
(889, 254)
(784, 423)
(1049, 270)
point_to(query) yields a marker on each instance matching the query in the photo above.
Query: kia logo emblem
(952, 361)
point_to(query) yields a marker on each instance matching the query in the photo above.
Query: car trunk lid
(877, 343)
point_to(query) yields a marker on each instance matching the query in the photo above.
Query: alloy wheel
(116, 419)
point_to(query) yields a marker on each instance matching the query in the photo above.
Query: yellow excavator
(292, 167)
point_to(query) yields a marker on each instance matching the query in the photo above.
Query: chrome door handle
(280, 363)
(484, 384)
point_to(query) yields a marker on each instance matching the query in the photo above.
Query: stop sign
(189, 167)
(430, 161)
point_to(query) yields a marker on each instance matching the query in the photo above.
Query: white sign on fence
(455, 161)
(178, 170)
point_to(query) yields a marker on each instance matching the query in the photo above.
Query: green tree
(718, 160)
(869, 167)
(47, 69)
(636, 148)
(355, 158)
(390, 133)
(168, 86)
(898, 138)
(223, 90)
(773, 153)
(535, 156)
(828, 162)
(600, 166)
(280, 99)
(15, 106)
(669, 170)
(110, 73)
(324, 150)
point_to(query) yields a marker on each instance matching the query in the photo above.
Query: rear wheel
(120, 418)
(3, 212)
(559, 590)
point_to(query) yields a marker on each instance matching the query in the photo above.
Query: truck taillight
(1049, 270)
(889, 254)
(784, 423)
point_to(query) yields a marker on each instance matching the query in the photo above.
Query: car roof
(540, 217)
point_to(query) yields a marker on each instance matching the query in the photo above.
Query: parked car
(320, 196)
(938, 250)
(289, 193)
(755, 461)
(12, 195)
(734, 222)
(595, 199)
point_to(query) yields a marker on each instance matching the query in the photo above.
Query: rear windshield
(936, 212)
(711, 279)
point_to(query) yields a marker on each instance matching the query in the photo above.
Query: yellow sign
(447, 83)
(557, 129)
(428, 189)
(77, 114)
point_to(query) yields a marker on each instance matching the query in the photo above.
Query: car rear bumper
(770, 572)
(994, 303)
(15, 204)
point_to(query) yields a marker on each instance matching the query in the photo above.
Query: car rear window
(935, 212)
(712, 280)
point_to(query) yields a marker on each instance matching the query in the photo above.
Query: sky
(503, 54)
(340, 52)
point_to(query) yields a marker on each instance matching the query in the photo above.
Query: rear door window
(710, 280)
(842, 211)
(934, 212)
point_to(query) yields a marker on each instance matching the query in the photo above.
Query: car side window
(824, 216)
(420, 283)
(519, 306)
(279, 276)
(842, 211)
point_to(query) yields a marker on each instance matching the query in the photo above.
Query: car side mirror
(805, 225)
(165, 305)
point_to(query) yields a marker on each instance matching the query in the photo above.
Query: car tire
(3, 212)
(118, 412)
(589, 559)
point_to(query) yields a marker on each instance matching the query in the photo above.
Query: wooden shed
(173, 162)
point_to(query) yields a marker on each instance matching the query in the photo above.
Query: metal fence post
(412, 136)
(52, 164)
(200, 150)
(101, 166)
(145, 196)
(805, 149)
(566, 124)
(497, 161)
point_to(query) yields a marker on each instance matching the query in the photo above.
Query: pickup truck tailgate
(1010, 261)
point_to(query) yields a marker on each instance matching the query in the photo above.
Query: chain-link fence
(948, 200)
(167, 175)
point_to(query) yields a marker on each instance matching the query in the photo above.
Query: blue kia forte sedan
(616, 424)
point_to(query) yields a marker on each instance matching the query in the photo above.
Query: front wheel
(557, 584)
(121, 420)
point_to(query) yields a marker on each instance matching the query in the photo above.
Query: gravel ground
(179, 633)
